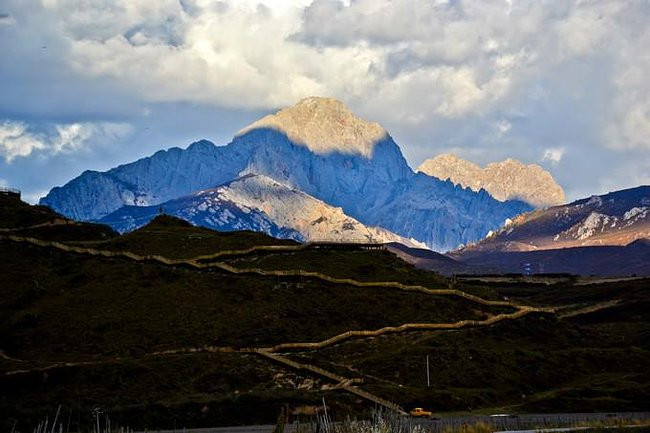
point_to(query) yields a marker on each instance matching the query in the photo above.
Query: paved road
(500, 423)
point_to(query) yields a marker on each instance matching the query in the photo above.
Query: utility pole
(428, 377)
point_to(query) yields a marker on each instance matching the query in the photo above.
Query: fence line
(258, 271)
(269, 352)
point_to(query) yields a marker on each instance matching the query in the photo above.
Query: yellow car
(421, 413)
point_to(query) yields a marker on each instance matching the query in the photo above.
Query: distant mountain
(617, 218)
(165, 175)
(441, 214)
(600, 235)
(259, 203)
(206, 209)
(318, 147)
(504, 180)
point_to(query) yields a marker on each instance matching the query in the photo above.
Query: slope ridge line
(234, 270)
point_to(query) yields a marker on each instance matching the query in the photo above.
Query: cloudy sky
(90, 84)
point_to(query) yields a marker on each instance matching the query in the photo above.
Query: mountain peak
(449, 166)
(324, 125)
(504, 180)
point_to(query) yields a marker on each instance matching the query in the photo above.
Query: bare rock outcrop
(323, 125)
(504, 180)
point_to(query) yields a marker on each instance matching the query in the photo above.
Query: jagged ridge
(504, 180)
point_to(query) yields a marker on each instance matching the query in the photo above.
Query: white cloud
(71, 137)
(503, 127)
(438, 75)
(423, 59)
(632, 127)
(16, 139)
(33, 196)
(553, 155)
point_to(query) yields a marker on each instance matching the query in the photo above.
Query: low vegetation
(155, 346)
(174, 238)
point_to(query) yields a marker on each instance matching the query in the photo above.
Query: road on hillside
(501, 422)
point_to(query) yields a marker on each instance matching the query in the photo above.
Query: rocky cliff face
(504, 180)
(205, 209)
(351, 181)
(441, 214)
(317, 147)
(165, 175)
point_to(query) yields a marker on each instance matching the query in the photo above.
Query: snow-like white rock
(636, 212)
(590, 225)
(257, 202)
(314, 219)
(617, 218)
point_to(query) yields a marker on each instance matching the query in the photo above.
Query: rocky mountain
(165, 175)
(504, 180)
(441, 214)
(259, 203)
(618, 218)
(318, 147)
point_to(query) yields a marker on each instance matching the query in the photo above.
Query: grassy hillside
(363, 265)
(536, 364)
(205, 389)
(16, 213)
(112, 319)
(175, 238)
(22, 219)
(360, 265)
(61, 303)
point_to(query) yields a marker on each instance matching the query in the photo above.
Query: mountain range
(617, 218)
(317, 148)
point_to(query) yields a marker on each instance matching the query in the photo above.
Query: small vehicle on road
(421, 413)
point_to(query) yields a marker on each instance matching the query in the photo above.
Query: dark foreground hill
(155, 343)
(628, 260)
(20, 218)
